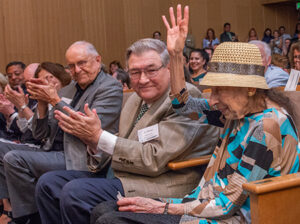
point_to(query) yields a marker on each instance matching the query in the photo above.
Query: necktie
(143, 110)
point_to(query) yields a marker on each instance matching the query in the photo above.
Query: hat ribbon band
(233, 68)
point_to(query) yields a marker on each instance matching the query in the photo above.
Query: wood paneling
(41, 30)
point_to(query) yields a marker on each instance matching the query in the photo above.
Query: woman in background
(252, 35)
(267, 36)
(210, 40)
(113, 66)
(198, 64)
(276, 43)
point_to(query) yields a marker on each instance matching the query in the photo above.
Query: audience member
(209, 51)
(267, 36)
(297, 30)
(252, 35)
(276, 43)
(123, 78)
(210, 39)
(198, 64)
(283, 34)
(189, 44)
(156, 35)
(286, 46)
(54, 74)
(256, 143)
(61, 150)
(3, 82)
(294, 56)
(14, 72)
(139, 159)
(280, 61)
(113, 66)
(227, 35)
(274, 75)
(24, 107)
(16, 102)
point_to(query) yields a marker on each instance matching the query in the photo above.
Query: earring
(251, 93)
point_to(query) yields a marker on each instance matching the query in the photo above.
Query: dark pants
(107, 212)
(69, 196)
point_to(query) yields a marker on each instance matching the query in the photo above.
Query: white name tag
(148, 133)
(66, 100)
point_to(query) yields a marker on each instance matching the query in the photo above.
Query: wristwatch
(22, 108)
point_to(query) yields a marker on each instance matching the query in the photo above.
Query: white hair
(266, 47)
(91, 50)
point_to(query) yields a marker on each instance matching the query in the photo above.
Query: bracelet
(23, 108)
(166, 208)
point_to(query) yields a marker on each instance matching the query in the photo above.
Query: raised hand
(42, 91)
(177, 33)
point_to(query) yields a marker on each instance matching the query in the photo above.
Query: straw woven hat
(236, 64)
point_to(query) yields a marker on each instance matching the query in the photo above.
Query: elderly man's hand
(6, 107)
(18, 98)
(177, 34)
(86, 126)
(41, 90)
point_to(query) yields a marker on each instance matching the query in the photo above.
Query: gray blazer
(142, 167)
(105, 95)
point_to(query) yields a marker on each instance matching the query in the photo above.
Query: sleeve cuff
(106, 143)
(179, 99)
(11, 119)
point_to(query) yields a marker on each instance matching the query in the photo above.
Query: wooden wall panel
(40, 30)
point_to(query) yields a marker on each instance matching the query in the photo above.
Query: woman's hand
(141, 205)
(177, 34)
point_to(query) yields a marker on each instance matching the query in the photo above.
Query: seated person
(227, 35)
(123, 78)
(151, 135)
(8, 113)
(198, 64)
(275, 76)
(113, 66)
(259, 139)
(294, 56)
(60, 150)
(23, 107)
(54, 74)
(210, 40)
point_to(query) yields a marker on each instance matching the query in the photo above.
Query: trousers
(22, 170)
(69, 196)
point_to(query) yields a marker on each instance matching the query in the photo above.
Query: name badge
(66, 100)
(148, 133)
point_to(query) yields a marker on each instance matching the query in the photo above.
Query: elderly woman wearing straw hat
(259, 138)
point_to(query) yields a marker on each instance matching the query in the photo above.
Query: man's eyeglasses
(80, 64)
(135, 74)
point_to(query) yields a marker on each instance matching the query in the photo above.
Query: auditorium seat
(275, 200)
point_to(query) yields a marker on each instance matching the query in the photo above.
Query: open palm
(177, 34)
